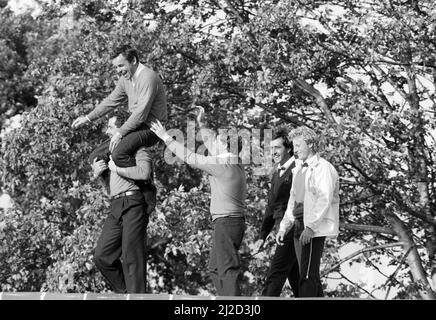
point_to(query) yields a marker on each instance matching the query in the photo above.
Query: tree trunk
(419, 171)
(413, 259)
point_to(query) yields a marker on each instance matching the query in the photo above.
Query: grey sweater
(123, 179)
(146, 97)
(227, 180)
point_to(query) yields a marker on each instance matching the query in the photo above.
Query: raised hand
(200, 114)
(159, 130)
(79, 122)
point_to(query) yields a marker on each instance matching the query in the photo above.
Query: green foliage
(17, 88)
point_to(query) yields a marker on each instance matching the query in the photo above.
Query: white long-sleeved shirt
(321, 198)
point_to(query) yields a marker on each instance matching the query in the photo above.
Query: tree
(361, 74)
(18, 36)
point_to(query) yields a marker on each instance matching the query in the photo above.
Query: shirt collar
(137, 72)
(287, 164)
(310, 161)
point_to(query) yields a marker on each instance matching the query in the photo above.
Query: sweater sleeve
(205, 163)
(142, 170)
(117, 97)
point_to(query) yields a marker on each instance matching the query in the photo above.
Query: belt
(125, 194)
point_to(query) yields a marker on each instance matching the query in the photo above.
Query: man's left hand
(306, 235)
(116, 138)
(112, 166)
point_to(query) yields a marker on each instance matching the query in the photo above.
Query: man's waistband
(126, 194)
(219, 216)
(298, 210)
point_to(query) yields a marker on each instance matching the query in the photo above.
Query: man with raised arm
(227, 206)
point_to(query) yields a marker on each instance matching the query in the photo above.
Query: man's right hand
(79, 122)
(98, 166)
(200, 114)
(279, 237)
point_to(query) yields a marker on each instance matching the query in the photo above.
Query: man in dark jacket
(284, 264)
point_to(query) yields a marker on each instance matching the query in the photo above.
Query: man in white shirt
(313, 208)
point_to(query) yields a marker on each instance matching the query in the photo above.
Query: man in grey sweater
(120, 254)
(227, 206)
(144, 92)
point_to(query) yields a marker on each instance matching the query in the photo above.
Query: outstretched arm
(117, 97)
(205, 163)
(207, 135)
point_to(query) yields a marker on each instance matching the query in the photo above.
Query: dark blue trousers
(124, 153)
(225, 262)
(284, 265)
(120, 254)
(309, 260)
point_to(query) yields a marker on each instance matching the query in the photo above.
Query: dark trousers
(124, 153)
(120, 253)
(284, 265)
(225, 263)
(309, 260)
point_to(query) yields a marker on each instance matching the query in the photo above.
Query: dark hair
(103, 154)
(283, 132)
(127, 51)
